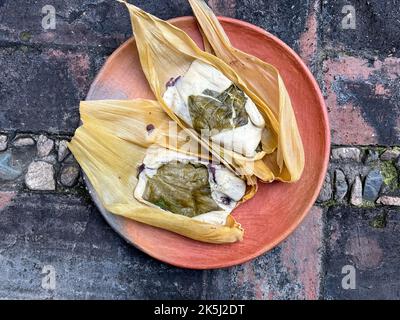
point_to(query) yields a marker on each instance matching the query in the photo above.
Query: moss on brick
(367, 204)
(390, 174)
(329, 203)
(25, 36)
(381, 150)
(379, 221)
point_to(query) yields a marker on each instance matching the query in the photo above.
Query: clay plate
(278, 208)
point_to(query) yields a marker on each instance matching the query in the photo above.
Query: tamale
(188, 186)
(119, 146)
(264, 80)
(167, 55)
(216, 108)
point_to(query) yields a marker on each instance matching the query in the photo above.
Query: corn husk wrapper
(264, 80)
(111, 145)
(129, 120)
(165, 52)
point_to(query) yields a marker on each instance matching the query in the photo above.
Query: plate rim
(299, 219)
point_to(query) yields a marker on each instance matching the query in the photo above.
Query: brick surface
(285, 19)
(90, 260)
(372, 251)
(223, 7)
(361, 72)
(40, 89)
(291, 271)
(83, 23)
(362, 96)
(376, 30)
(309, 40)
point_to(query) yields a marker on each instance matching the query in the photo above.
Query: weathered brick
(285, 19)
(6, 199)
(45, 85)
(223, 7)
(84, 23)
(290, 271)
(106, 23)
(90, 260)
(309, 39)
(377, 26)
(358, 114)
(356, 240)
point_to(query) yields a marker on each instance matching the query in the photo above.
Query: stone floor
(50, 229)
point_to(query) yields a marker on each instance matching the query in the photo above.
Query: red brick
(308, 42)
(285, 19)
(290, 271)
(91, 261)
(41, 88)
(6, 198)
(360, 96)
(78, 22)
(377, 26)
(225, 8)
(373, 252)
(302, 254)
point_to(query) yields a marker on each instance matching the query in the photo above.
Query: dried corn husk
(264, 80)
(111, 145)
(130, 120)
(165, 52)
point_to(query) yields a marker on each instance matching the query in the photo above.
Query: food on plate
(137, 174)
(215, 107)
(233, 124)
(286, 163)
(191, 85)
(185, 185)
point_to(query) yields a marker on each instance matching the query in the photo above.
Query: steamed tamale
(143, 171)
(168, 56)
(265, 81)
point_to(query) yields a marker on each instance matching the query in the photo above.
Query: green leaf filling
(181, 188)
(213, 110)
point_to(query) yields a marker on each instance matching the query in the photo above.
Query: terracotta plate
(278, 208)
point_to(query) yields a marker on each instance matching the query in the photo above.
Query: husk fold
(166, 52)
(111, 145)
(264, 80)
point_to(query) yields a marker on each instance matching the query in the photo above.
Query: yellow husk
(165, 52)
(264, 80)
(111, 144)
